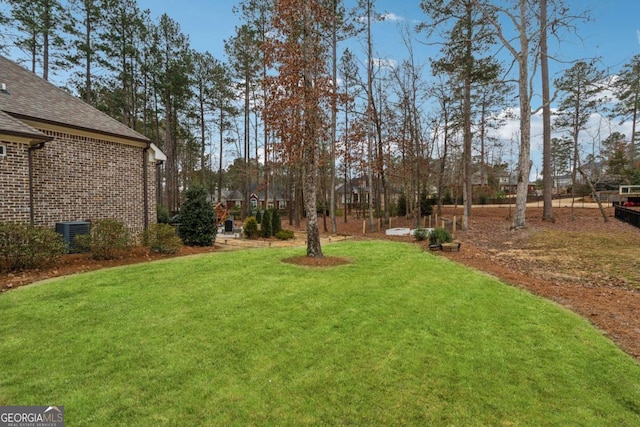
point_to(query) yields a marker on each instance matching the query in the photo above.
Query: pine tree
(581, 86)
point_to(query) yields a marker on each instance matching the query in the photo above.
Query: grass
(238, 338)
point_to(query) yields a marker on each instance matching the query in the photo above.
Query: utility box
(228, 226)
(70, 230)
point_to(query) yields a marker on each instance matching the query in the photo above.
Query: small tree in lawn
(197, 219)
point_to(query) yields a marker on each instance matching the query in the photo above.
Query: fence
(632, 216)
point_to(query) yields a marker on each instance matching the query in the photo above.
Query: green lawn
(397, 337)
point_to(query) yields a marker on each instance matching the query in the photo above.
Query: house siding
(14, 181)
(86, 179)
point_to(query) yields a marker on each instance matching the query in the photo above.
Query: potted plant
(437, 237)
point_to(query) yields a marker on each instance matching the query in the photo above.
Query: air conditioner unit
(70, 230)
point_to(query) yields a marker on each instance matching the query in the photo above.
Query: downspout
(145, 185)
(30, 151)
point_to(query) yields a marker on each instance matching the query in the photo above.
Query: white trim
(156, 154)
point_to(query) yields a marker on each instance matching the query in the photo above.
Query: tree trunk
(594, 194)
(311, 151)
(246, 210)
(547, 178)
(334, 118)
(221, 125)
(524, 155)
(468, 77)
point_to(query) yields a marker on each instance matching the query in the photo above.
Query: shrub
(82, 243)
(402, 205)
(251, 228)
(421, 234)
(109, 238)
(266, 227)
(24, 246)
(439, 235)
(162, 214)
(426, 204)
(161, 238)
(259, 216)
(197, 219)
(276, 222)
(284, 235)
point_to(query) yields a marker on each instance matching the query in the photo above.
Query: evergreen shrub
(266, 227)
(162, 214)
(251, 228)
(276, 222)
(197, 219)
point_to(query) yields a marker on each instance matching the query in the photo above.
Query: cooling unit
(70, 230)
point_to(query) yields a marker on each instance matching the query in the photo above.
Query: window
(3, 150)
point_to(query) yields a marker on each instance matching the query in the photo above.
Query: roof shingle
(29, 96)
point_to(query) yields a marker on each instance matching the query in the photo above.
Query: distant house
(353, 194)
(63, 160)
(235, 199)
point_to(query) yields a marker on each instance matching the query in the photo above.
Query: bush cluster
(108, 239)
(162, 238)
(24, 246)
(270, 222)
(197, 219)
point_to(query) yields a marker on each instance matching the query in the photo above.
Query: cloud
(384, 17)
(385, 63)
(391, 17)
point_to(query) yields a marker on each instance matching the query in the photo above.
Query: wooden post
(429, 221)
(442, 223)
(379, 224)
(454, 225)
(364, 226)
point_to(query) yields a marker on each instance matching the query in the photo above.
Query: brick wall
(86, 179)
(14, 183)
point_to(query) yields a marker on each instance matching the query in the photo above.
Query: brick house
(63, 160)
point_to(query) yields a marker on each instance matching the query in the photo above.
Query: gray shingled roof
(11, 126)
(27, 96)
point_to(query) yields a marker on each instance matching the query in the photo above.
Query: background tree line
(365, 127)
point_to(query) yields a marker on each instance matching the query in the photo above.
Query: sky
(612, 34)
